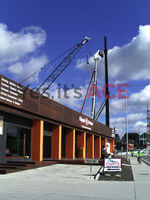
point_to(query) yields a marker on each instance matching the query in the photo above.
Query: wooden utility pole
(106, 83)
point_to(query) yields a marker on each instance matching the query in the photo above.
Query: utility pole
(106, 83)
(148, 127)
(126, 116)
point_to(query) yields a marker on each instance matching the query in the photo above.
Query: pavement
(146, 159)
(59, 182)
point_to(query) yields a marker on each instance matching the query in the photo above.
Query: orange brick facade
(89, 146)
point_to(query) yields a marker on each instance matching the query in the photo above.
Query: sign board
(86, 123)
(11, 92)
(1, 127)
(91, 161)
(112, 164)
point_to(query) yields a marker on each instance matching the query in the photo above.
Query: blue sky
(33, 32)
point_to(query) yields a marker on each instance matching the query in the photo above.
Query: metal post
(106, 83)
(90, 171)
(126, 126)
(94, 89)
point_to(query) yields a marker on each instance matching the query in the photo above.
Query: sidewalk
(61, 182)
(141, 173)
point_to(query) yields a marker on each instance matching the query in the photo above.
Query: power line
(46, 65)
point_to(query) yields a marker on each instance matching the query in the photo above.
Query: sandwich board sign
(112, 164)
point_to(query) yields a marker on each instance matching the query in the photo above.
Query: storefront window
(18, 141)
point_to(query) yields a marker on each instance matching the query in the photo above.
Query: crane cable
(47, 64)
(87, 92)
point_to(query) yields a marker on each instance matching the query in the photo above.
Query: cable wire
(46, 65)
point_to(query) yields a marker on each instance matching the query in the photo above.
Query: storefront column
(112, 146)
(97, 146)
(70, 144)
(37, 140)
(103, 143)
(82, 145)
(90, 146)
(56, 143)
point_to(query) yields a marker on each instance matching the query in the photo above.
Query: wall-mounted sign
(1, 126)
(113, 135)
(112, 164)
(10, 92)
(86, 123)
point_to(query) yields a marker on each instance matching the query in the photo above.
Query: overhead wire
(46, 65)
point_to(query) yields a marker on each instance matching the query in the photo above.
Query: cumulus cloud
(136, 109)
(21, 70)
(15, 45)
(129, 62)
(69, 96)
(137, 101)
(136, 123)
(19, 51)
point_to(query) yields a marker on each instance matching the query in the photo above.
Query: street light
(126, 117)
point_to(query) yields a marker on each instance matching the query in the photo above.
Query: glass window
(18, 141)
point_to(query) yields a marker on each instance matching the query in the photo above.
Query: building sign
(1, 127)
(112, 164)
(86, 123)
(113, 135)
(11, 92)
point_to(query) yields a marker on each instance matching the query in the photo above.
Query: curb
(145, 161)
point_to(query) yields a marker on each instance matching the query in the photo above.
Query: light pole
(126, 117)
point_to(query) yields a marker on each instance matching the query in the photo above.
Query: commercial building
(34, 126)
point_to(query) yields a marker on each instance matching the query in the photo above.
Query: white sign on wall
(86, 123)
(11, 92)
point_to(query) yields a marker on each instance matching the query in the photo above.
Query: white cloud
(136, 123)
(19, 51)
(21, 70)
(74, 96)
(136, 109)
(137, 102)
(129, 62)
(15, 45)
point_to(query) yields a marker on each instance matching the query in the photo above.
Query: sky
(34, 32)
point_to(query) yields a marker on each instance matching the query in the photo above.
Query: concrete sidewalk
(59, 182)
(141, 173)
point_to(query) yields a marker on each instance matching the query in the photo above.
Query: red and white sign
(86, 123)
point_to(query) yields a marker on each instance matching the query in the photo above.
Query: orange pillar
(97, 146)
(82, 144)
(37, 140)
(70, 144)
(90, 146)
(103, 143)
(56, 143)
(112, 146)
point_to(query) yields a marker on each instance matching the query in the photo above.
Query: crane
(62, 66)
(94, 115)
